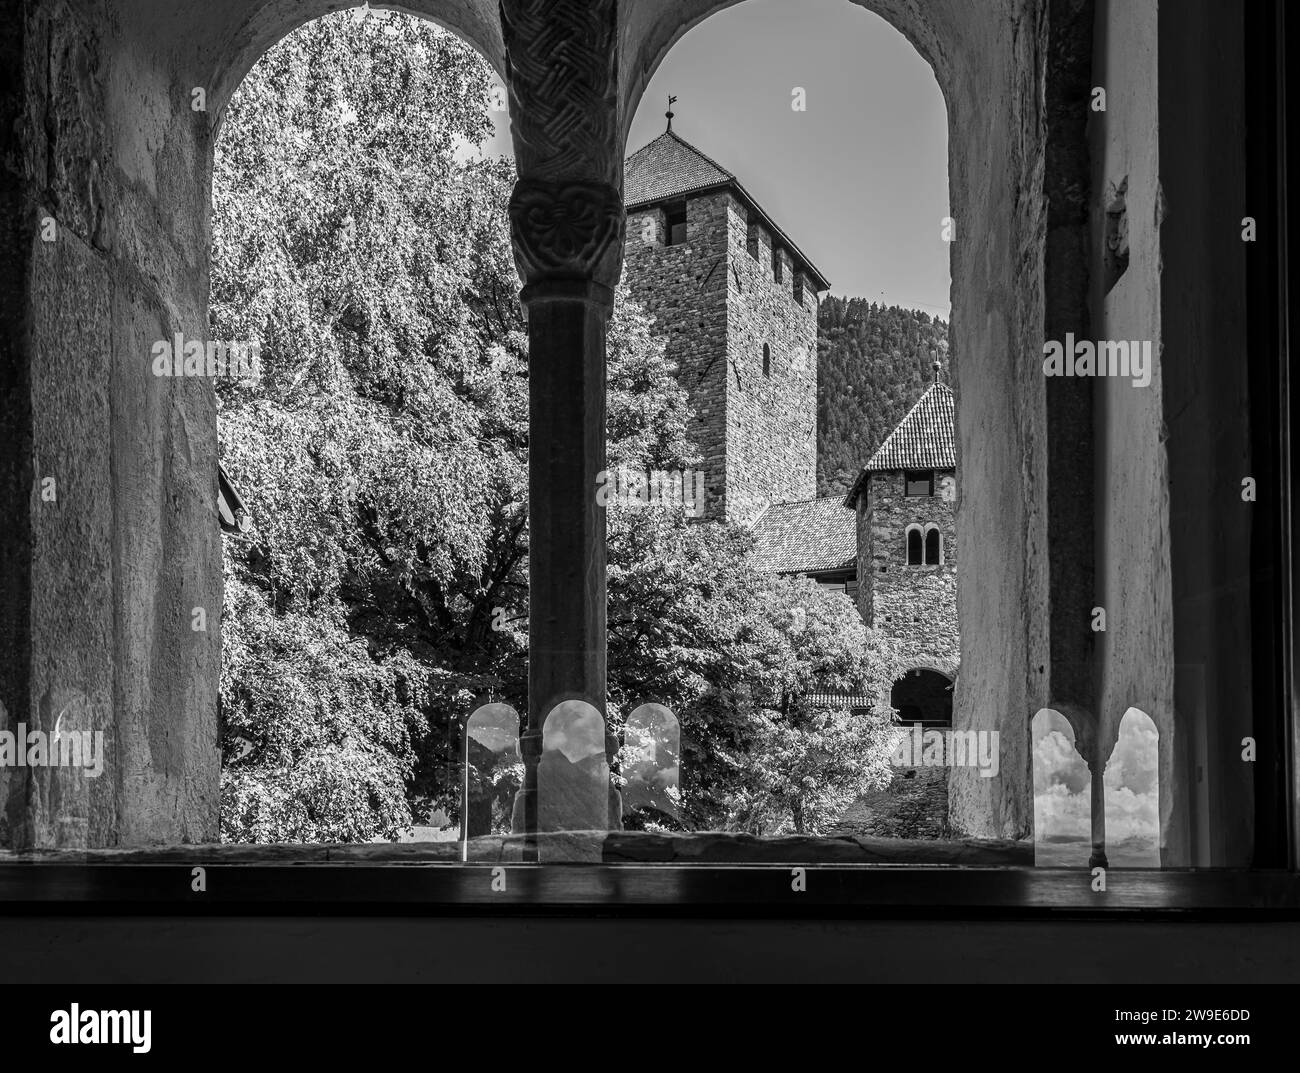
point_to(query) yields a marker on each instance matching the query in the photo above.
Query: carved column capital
(566, 215)
(565, 234)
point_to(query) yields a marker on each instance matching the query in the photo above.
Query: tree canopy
(874, 362)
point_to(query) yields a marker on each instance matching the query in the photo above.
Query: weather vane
(671, 101)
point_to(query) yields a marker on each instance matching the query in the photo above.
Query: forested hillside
(873, 364)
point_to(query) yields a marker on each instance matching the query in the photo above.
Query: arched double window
(924, 545)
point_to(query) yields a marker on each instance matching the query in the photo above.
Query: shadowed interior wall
(103, 581)
(1207, 413)
(1134, 584)
(1173, 533)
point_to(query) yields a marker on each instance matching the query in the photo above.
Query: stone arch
(1010, 158)
(136, 271)
(923, 694)
(658, 27)
(474, 21)
(939, 664)
(914, 547)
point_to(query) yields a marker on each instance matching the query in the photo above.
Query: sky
(860, 179)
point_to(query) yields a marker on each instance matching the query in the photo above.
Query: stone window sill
(636, 873)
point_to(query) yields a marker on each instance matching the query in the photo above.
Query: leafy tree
(731, 652)
(383, 450)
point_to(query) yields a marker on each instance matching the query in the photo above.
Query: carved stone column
(567, 225)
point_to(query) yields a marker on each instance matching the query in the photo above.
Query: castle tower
(907, 549)
(738, 302)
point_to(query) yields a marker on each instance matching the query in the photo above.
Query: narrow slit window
(675, 224)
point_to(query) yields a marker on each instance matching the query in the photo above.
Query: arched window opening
(933, 546)
(767, 360)
(302, 593)
(914, 546)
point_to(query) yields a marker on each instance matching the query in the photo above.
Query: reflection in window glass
(1062, 795)
(650, 759)
(1132, 794)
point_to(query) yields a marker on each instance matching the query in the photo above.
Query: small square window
(919, 482)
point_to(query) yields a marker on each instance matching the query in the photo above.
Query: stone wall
(109, 473)
(719, 306)
(127, 545)
(684, 289)
(771, 419)
(915, 604)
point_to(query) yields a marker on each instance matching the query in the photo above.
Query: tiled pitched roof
(924, 438)
(807, 537)
(669, 167)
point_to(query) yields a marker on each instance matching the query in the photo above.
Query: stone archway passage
(922, 695)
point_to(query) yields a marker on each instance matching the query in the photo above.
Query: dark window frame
(910, 479)
(676, 224)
